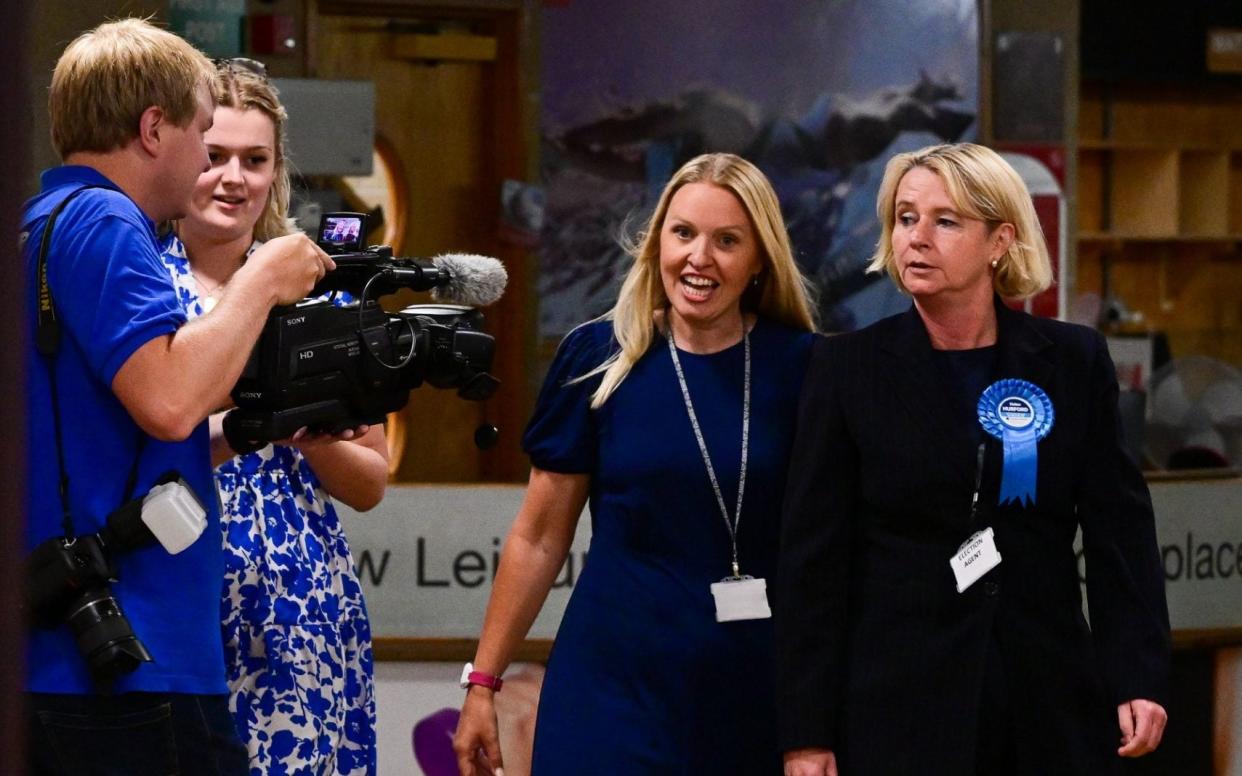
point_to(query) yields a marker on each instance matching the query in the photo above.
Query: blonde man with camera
(119, 388)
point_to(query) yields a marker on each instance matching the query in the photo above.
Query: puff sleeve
(562, 435)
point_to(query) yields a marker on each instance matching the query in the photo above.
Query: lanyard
(732, 525)
(47, 342)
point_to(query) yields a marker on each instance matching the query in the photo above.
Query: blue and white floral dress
(297, 641)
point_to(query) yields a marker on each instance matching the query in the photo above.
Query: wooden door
(449, 122)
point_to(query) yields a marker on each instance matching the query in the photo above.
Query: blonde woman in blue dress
(296, 635)
(673, 416)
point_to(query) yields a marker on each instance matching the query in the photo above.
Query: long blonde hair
(982, 185)
(782, 295)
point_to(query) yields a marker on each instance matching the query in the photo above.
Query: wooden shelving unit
(1144, 192)
(1160, 209)
(1156, 166)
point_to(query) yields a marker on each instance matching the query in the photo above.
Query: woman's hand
(477, 740)
(516, 710)
(352, 465)
(304, 439)
(1142, 727)
(810, 762)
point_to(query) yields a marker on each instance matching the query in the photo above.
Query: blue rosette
(1019, 414)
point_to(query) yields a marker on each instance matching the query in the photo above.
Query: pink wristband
(470, 676)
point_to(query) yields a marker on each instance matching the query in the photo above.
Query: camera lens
(104, 636)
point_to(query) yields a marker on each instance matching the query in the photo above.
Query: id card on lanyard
(738, 596)
(978, 554)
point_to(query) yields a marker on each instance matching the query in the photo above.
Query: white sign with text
(427, 555)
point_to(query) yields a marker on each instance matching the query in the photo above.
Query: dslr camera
(334, 363)
(68, 577)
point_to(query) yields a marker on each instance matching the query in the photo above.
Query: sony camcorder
(341, 362)
(68, 578)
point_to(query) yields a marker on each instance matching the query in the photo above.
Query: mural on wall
(819, 95)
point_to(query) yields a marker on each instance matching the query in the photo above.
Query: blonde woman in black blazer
(964, 430)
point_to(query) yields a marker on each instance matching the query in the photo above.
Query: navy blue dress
(642, 679)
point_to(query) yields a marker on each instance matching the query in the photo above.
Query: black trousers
(133, 734)
(996, 754)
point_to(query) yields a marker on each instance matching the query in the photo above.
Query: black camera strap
(47, 342)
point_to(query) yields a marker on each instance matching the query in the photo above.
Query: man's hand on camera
(289, 266)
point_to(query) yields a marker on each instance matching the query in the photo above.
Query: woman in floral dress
(297, 638)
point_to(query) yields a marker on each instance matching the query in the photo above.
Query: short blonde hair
(782, 294)
(108, 77)
(242, 89)
(981, 185)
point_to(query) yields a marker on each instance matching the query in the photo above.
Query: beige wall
(52, 26)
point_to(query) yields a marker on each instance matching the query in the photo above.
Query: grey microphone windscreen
(476, 281)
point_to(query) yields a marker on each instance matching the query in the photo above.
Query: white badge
(741, 599)
(977, 556)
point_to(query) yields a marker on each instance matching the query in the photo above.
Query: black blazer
(879, 657)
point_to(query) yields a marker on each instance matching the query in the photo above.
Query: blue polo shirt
(113, 295)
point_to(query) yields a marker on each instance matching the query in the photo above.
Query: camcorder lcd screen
(344, 232)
